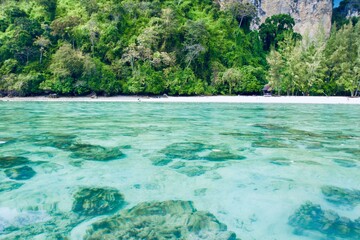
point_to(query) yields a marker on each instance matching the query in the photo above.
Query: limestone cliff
(309, 15)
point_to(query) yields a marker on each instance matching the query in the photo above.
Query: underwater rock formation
(184, 150)
(60, 141)
(20, 173)
(97, 201)
(79, 150)
(9, 186)
(218, 155)
(270, 143)
(341, 196)
(95, 152)
(193, 158)
(312, 217)
(192, 151)
(9, 162)
(193, 171)
(160, 220)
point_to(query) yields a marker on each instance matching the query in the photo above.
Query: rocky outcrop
(341, 196)
(160, 220)
(349, 9)
(97, 201)
(310, 218)
(309, 15)
(20, 173)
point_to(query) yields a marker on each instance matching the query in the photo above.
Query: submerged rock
(281, 133)
(341, 196)
(95, 152)
(68, 142)
(8, 162)
(270, 143)
(20, 173)
(161, 220)
(312, 217)
(193, 171)
(97, 201)
(194, 159)
(184, 150)
(160, 162)
(345, 163)
(196, 151)
(218, 155)
(60, 141)
(9, 186)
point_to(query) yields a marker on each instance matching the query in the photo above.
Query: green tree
(232, 77)
(311, 69)
(49, 8)
(67, 67)
(343, 58)
(43, 43)
(274, 29)
(196, 39)
(253, 80)
(113, 47)
(241, 10)
(291, 59)
(183, 82)
(64, 28)
(167, 25)
(275, 75)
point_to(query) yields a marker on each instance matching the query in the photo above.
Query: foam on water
(252, 166)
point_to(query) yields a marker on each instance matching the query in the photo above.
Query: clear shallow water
(253, 166)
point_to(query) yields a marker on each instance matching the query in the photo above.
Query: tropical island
(177, 48)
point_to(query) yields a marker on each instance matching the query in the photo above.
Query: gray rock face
(309, 15)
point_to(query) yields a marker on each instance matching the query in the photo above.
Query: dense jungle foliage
(175, 47)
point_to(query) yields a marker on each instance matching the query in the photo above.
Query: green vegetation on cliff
(111, 47)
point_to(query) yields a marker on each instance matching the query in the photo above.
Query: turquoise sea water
(81, 170)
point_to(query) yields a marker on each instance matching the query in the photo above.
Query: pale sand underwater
(196, 99)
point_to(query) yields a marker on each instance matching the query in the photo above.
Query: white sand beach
(196, 99)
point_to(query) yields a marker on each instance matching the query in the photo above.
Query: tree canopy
(186, 47)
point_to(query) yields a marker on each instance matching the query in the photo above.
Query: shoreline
(196, 99)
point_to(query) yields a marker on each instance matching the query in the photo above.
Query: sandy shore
(207, 99)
